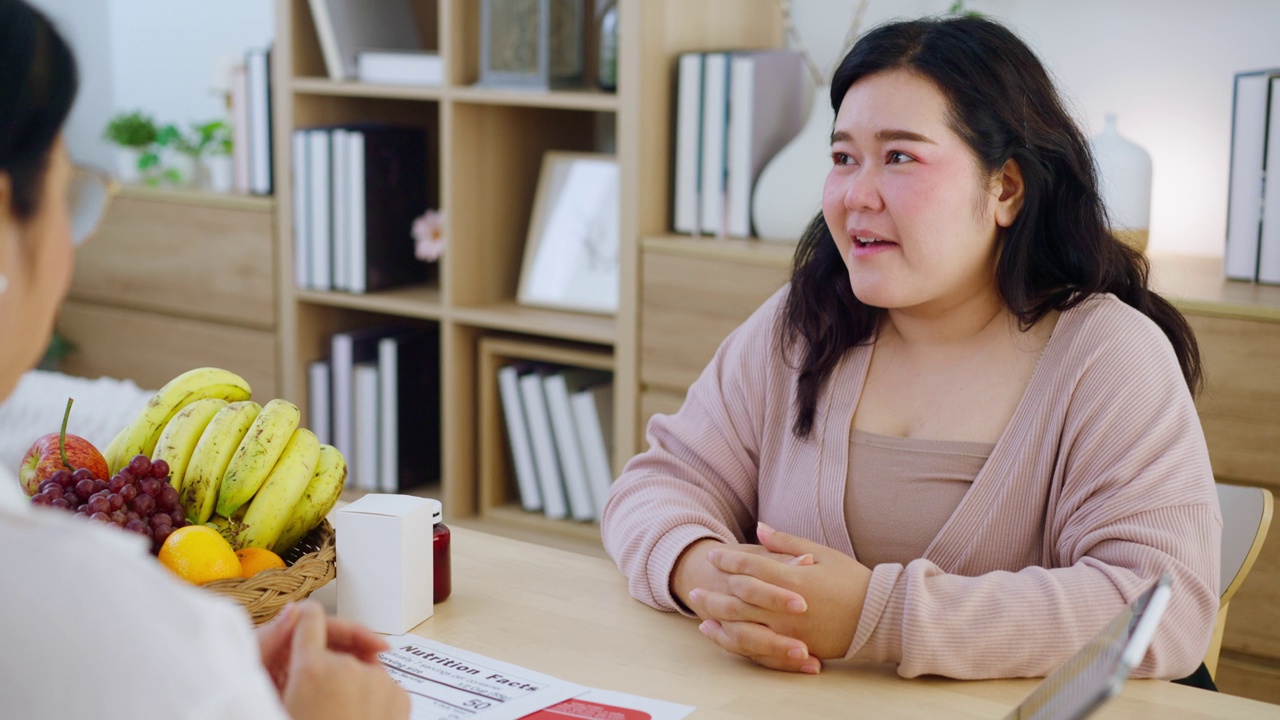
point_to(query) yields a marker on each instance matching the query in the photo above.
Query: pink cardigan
(1100, 482)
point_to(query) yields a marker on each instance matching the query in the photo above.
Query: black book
(387, 185)
(409, 408)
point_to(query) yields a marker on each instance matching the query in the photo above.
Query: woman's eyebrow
(885, 136)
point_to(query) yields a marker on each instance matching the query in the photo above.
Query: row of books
(1253, 201)
(559, 423)
(734, 111)
(251, 124)
(356, 192)
(377, 399)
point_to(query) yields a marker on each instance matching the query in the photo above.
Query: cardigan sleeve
(1135, 498)
(698, 479)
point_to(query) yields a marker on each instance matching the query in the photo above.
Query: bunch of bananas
(269, 481)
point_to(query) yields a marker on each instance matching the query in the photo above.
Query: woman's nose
(863, 191)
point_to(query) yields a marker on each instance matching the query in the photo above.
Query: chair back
(1246, 516)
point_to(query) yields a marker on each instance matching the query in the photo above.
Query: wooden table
(570, 616)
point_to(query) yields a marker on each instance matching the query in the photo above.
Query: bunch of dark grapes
(138, 498)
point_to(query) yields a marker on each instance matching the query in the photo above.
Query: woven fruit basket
(309, 565)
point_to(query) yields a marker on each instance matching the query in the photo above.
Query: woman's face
(36, 259)
(914, 218)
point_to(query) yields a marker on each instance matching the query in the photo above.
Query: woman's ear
(1010, 193)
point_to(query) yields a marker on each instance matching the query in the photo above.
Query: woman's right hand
(323, 683)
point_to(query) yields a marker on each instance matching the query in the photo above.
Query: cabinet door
(689, 304)
(151, 349)
(182, 258)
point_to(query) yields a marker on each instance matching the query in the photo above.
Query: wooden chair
(1246, 515)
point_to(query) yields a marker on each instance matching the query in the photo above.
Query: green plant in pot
(135, 135)
(216, 167)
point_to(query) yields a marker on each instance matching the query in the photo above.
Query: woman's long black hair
(38, 81)
(1055, 254)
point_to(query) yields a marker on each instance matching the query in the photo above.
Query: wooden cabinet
(490, 143)
(174, 280)
(695, 291)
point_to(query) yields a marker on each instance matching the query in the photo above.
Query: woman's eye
(839, 158)
(897, 158)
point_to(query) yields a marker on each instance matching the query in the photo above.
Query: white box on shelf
(422, 69)
(384, 545)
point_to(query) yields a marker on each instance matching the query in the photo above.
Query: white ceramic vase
(217, 173)
(1124, 178)
(788, 192)
(127, 164)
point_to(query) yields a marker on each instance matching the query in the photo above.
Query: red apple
(43, 459)
(46, 457)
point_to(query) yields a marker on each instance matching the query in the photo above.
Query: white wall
(158, 56)
(1164, 66)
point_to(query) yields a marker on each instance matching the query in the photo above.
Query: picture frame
(571, 251)
(532, 44)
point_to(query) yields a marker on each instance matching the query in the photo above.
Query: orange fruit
(255, 560)
(198, 554)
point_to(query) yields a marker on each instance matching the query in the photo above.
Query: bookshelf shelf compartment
(418, 301)
(513, 317)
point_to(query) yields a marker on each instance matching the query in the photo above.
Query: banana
(178, 440)
(257, 454)
(212, 454)
(224, 527)
(140, 436)
(113, 449)
(318, 499)
(272, 506)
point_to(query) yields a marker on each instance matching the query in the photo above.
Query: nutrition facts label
(446, 683)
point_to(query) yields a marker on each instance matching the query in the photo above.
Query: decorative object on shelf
(133, 133)
(788, 192)
(1124, 179)
(217, 168)
(607, 70)
(532, 43)
(571, 253)
(345, 28)
(428, 236)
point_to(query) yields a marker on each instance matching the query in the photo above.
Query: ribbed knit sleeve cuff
(879, 634)
(662, 563)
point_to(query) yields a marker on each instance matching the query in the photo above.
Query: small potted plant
(178, 154)
(216, 168)
(134, 135)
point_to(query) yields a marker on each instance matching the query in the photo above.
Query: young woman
(93, 627)
(965, 428)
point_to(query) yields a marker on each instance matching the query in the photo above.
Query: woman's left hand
(275, 641)
(754, 618)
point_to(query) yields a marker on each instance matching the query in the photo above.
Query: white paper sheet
(446, 683)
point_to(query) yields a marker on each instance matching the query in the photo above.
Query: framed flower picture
(572, 248)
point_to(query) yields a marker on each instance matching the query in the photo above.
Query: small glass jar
(440, 539)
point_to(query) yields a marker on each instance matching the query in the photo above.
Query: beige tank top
(901, 491)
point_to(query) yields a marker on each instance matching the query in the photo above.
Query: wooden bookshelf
(489, 144)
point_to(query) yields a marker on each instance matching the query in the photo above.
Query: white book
(340, 180)
(550, 482)
(258, 82)
(593, 416)
(389, 415)
(766, 109)
(346, 27)
(715, 119)
(301, 211)
(345, 350)
(568, 449)
(320, 201)
(686, 211)
(358, 258)
(365, 399)
(1244, 198)
(319, 391)
(422, 69)
(1269, 243)
(240, 128)
(518, 437)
